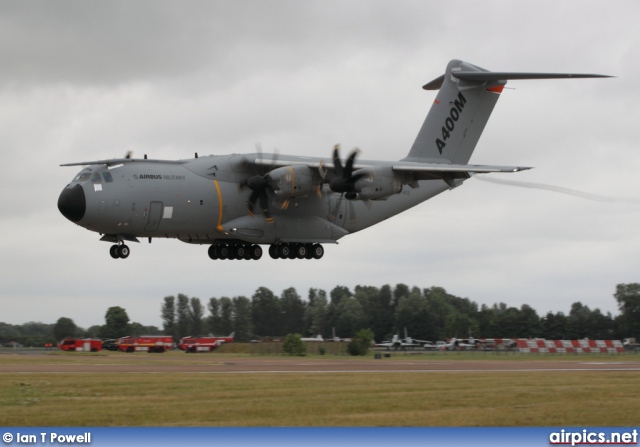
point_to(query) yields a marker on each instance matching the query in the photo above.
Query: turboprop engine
(376, 183)
(294, 181)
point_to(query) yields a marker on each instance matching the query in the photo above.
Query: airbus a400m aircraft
(236, 203)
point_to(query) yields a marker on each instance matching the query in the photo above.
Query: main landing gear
(235, 251)
(276, 251)
(119, 251)
(296, 251)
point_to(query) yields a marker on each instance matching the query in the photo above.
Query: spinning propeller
(259, 184)
(342, 180)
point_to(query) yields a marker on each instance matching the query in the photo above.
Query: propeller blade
(274, 158)
(350, 160)
(322, 172)
(258, 184)
(252, 200)
(343, 180)
(337, 164)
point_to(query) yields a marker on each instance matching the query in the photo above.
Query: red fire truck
(145, 343)
(204, 344)
(80, 345)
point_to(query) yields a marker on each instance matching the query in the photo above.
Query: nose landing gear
(119, 251)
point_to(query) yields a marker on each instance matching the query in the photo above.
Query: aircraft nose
(72, 203)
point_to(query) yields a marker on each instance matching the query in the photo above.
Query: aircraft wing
(312, 162)
(120, 161)
(410, 171)
(399, 166)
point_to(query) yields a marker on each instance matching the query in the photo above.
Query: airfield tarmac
(244, 365)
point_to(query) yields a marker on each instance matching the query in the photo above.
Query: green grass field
(312, 399)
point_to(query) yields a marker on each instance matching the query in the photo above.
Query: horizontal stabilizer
(505, 75)
(444, 168)
(485, 76)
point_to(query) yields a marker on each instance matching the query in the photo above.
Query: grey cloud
(84, 80)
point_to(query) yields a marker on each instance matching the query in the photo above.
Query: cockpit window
(96, 178)
(107, 177)
(82, 176)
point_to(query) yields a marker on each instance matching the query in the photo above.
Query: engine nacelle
(294, 181)
(379, 183)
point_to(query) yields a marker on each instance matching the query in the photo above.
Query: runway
(217, 365)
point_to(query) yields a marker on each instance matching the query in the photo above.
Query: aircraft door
(155, 216)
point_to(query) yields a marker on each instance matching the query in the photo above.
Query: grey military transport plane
(302, 202)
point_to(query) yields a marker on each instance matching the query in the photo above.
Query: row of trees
(40, 334)
(427, 314)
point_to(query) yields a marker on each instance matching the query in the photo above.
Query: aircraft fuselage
(200, 201)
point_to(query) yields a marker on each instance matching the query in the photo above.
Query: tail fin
(462, 108)
(457, 117)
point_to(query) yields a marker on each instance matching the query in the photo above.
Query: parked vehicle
(110, 344)
(145, 343)
(80, 345)
(203, 344)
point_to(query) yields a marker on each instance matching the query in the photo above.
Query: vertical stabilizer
(457, 117)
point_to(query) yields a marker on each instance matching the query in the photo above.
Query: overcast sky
(92, 80)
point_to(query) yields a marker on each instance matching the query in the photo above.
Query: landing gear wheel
(240, 251)
(300, 251)
(273, 251)
(123, 251)
(284, 251)
(213, 253)
(223, 251)
(318, 251)
(255, 252)
(113, 251)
